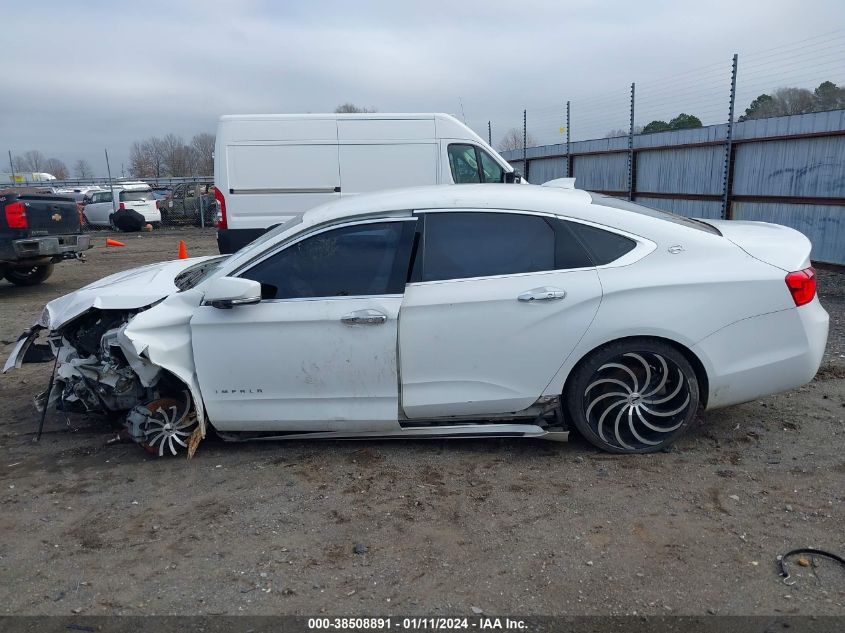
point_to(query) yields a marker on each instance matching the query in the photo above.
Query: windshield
(192, 276)
(134, 196)
(626, 205)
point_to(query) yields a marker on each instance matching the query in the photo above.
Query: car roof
(483, 196)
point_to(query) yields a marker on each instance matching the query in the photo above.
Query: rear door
(496, 303)
(100, 208)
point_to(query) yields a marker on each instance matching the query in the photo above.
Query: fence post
(568, 153)
(525, 142)
(632, 168)
(489, 134)
(727, 182)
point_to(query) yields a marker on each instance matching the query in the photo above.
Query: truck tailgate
(50, 215)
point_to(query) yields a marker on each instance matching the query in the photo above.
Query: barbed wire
(703, 91)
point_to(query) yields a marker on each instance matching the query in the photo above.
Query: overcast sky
(81, 76)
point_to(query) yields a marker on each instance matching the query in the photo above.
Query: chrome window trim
(333, 298)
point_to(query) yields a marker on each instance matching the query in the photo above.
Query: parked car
(183, 204)
(128, 195)
(36, 232)
(270, 168)
(433, 312)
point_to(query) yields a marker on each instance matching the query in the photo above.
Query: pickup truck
(183, 204)
(36, 231)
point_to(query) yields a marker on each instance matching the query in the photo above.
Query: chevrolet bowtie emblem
(57, 217)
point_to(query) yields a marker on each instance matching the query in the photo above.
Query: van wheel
(29, 276)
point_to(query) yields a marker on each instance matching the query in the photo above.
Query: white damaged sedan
(478, 310)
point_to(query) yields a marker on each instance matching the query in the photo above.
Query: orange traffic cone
(183, 252)
(111, 242)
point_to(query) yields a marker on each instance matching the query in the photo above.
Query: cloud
(82, 76)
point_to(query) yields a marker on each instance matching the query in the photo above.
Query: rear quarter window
(603, 246)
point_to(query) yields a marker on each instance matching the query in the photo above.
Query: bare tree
(347, 108)
(82, 169)
(147, 158)
(33, 160)
(202, 148)
(57, 168)
(177, 156)
(513, 140)
(140, 163)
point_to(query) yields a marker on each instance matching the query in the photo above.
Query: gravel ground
(420, 527)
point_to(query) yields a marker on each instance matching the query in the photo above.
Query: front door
(319, 351)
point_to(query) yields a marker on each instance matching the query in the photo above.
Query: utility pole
(727, 183)
(111, 186)
(489, 133)
(12, 166)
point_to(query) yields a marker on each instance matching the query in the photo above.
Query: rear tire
(635, 396)
(29, 276)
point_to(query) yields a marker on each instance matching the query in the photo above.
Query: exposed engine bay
(96, 372)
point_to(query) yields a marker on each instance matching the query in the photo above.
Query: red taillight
(221, 207)
(802, 285)
(16, 215)
(122, 206)
(157, 205)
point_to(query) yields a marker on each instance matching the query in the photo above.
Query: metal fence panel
(824, 225)
(544, 169)
(687, 170)
(812, 123)
(801, 167)
(604, 172)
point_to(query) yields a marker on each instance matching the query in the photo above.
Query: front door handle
(364, 317)
(546, 293)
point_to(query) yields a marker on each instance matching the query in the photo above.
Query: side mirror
(512, 177)
(228, 292)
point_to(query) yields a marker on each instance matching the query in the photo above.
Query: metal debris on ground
(803, 561)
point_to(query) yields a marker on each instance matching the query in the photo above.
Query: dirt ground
(505, 526)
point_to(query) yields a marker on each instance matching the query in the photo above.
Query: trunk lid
(774, 244)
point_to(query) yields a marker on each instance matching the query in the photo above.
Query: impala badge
(57, 217)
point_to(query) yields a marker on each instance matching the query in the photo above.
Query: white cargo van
(269, 168)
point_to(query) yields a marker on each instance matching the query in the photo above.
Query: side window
(603, 246)
(492, 171)
(362, 259)
(463, 163)
(464, 245)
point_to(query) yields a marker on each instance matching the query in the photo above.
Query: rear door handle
(546, 293)
(364, 317)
